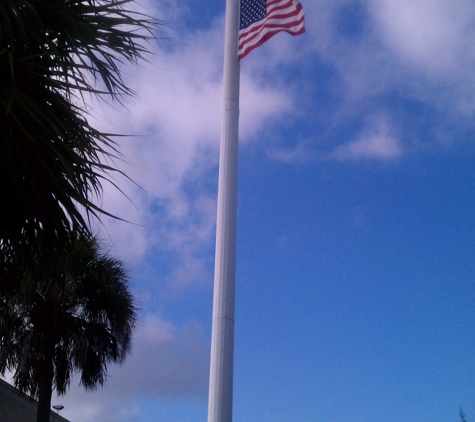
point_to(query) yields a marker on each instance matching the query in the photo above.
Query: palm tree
(53, 54)
(72, 312)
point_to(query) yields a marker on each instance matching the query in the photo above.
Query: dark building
(18, 407)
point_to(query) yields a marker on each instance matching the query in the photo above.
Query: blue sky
(356, 232)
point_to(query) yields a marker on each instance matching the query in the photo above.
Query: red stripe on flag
(282, 15)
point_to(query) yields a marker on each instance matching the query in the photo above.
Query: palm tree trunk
(46, 386)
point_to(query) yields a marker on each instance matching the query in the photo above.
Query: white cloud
(386, 57)
(434, 35)
(172, 156)
(417, 49)
(173, 159)
(301, 153)
(376, 142)
(167, 361)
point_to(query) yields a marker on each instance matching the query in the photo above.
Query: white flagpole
(220, 401)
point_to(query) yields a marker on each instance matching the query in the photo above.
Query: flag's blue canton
(252, 11)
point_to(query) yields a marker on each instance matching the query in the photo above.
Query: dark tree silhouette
(72, 312)
(52, 54)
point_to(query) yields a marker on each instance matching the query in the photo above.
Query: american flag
(261, 19)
